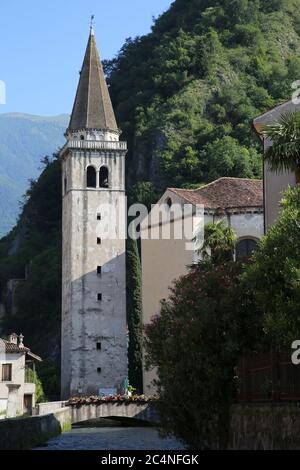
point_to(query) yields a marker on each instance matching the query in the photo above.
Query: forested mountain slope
(186, 93)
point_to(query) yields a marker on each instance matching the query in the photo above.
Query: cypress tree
(134, 314)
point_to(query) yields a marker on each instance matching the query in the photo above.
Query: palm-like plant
(284, 154)
(219, 242)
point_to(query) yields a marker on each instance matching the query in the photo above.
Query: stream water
(112, 438)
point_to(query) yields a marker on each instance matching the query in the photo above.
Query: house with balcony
(17, 377)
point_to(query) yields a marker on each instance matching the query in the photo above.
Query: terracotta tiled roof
(92, 107)
(225, 193)
(12, 347)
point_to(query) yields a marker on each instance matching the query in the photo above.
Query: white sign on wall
(107, 392)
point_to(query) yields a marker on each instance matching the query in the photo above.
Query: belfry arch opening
(103, 177)
(91, 177)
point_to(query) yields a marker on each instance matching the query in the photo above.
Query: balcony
(29, 388)
(29, 385)
(95, 145)
(29, 375)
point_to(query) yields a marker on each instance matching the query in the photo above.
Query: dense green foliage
(219, 242)
(134, 314)
(195, 344)
(273, 278)
(217, 314)
(33, 249)
(32, 377)
(284, 154)
(196, 341)
(186, 93)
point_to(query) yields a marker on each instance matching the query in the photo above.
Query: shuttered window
(6, 372)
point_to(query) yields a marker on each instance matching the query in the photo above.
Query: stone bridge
(80, 412)
(52, 418)
(140, 411)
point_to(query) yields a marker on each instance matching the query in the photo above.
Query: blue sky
(42, 44)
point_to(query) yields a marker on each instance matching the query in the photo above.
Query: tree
(284, 154)
(201, 75)
(273, 277)
(35, 246)
(226, 157)
(195, 344)
(134, 314)
(32, 377)
(219, 242)
(143, 192)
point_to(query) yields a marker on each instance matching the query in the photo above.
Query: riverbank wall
(28, 432)
(269, 426)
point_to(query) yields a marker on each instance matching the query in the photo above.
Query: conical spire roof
(92, 107)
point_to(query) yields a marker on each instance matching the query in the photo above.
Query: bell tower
(94, 330)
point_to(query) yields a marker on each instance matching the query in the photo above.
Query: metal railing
(96, 145)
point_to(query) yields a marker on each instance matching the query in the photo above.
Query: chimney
(21, 339)
(13, 338)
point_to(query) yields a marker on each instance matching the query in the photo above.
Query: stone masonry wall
(26, 433)
(265, 427)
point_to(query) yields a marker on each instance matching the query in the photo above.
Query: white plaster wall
(248, 225)
(245, 225)
(3, 406)
(275, 183)
(18, 377)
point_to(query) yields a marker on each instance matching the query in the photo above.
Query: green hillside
(23, 140)
(184, 96)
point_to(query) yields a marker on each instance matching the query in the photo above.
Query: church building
(94, 328)
(237, 202)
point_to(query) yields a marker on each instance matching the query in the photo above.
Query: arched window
(169, 202)
(91, 177)
(103, 177)
(245, 248)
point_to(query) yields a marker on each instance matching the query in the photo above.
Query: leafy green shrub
(195, 344)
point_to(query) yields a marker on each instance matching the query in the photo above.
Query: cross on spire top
(92, 24)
